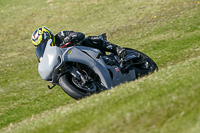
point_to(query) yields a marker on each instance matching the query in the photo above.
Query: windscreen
(40, 51)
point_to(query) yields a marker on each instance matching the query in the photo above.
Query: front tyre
(68, 87)
(82, 85)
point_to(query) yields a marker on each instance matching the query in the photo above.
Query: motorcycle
(82, 71)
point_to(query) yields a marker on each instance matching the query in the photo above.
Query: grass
(166, 101)
(118, 110)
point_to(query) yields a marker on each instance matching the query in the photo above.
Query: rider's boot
(121, 52)
(117, 50)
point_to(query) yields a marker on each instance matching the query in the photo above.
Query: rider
(43, 34)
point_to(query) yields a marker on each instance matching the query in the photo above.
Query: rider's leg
(95, 42)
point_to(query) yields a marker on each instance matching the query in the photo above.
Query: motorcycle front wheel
(75, 88)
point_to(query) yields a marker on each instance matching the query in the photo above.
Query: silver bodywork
(54, 58)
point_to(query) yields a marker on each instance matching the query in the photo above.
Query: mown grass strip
(166, 101)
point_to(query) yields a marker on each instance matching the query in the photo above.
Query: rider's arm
(71, 36)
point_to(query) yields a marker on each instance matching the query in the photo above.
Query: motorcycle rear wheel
(140, 69)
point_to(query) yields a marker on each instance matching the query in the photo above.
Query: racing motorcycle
(82, 71)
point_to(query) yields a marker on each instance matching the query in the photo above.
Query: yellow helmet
(42, 35)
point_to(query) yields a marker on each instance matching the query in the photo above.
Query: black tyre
(144, 65)
(74, 89)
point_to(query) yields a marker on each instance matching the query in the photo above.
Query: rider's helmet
(41, 35)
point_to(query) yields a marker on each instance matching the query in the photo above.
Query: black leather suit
(91, 41)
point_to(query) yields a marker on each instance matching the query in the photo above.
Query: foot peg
(51, 87)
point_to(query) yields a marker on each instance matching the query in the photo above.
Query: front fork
(84, 79)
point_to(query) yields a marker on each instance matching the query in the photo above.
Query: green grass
(168, 104)
(166, 101)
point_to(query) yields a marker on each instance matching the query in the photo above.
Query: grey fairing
(49, 61)
(87, 56)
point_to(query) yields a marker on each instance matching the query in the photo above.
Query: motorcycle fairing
(51, 56)
(87, 56)
(118, 77)
(56, 58)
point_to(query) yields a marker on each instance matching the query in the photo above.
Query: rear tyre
(144, 65)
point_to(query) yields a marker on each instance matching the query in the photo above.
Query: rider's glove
(70, 38)
(67, 39)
